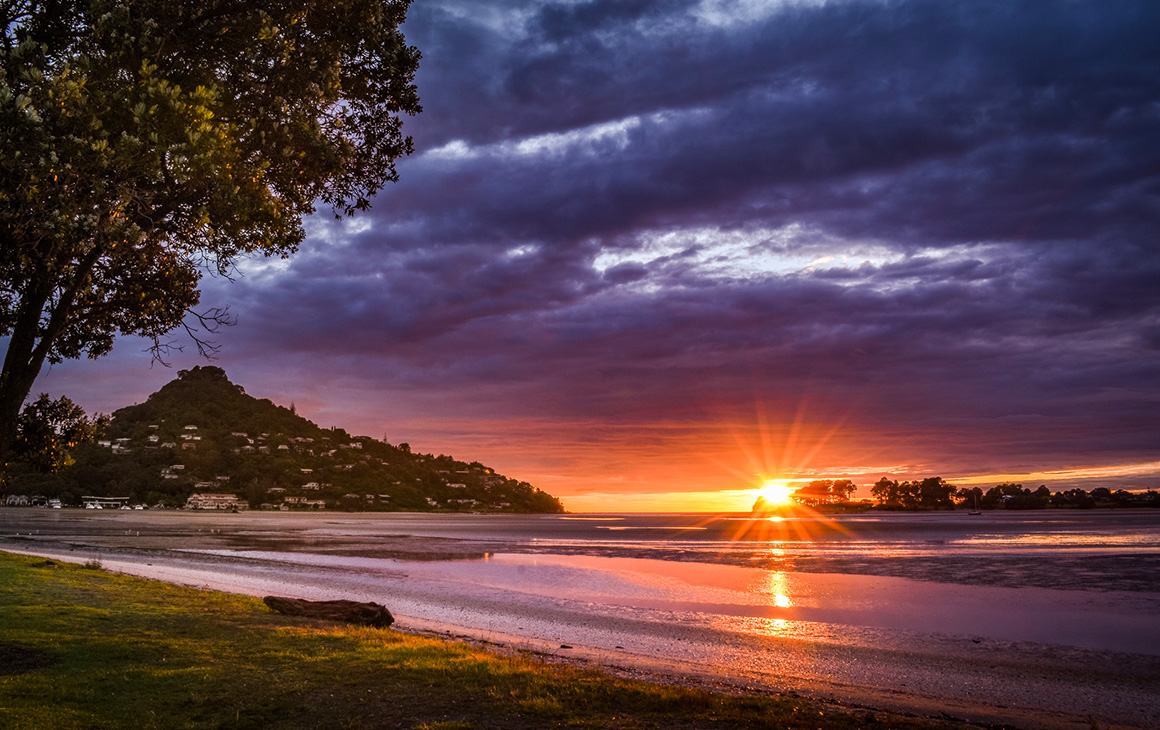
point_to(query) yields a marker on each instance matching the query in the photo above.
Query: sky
(649, 254)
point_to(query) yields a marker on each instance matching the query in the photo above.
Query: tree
(47, 429)
(843, 489)
(814, 493)
(886, 492)
(969, 496)
(144, 143)
(825, 491)
(930, 493)
(935, 493)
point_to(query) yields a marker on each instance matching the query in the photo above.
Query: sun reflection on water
(779, 589)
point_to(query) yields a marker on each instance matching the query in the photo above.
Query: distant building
(104, 502)
(304, 502)
(210, 500)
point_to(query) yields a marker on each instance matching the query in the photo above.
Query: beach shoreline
(1028, 684)
(525, 604)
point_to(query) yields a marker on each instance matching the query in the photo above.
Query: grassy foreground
(84, 648)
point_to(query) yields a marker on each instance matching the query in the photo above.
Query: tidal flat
(1021, 620)
(83, 648)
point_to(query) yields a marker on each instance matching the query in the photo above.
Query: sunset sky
(648, 254)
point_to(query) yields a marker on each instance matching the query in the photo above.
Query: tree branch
(211, 321)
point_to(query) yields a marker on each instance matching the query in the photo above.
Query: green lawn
(84, 648)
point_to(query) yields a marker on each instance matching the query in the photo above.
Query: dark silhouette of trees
(47, 430)
(1101, 494)
(935, 493)
(1077, 498)
(929, 493)
(1015, 496)
(144, 143)
(885, 491)
(970, 496)
(825, 491)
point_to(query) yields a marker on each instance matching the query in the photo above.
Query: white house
(209, 500)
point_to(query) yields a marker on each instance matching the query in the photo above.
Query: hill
(201, 433)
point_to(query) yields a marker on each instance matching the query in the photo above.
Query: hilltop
(201, 433)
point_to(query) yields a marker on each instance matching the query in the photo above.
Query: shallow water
(1032, 618)
(1083, 550)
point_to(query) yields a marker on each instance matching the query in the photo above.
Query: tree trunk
(26, 353)
(15, 385)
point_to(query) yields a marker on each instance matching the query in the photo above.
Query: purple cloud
(936, 220)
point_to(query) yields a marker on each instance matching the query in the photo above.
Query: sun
(777, 492)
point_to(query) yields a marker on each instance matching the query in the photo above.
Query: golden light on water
(779, 589)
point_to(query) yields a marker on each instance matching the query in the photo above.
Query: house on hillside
(303, 502)
(210, 500)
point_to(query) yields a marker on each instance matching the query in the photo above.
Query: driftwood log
(351, 612)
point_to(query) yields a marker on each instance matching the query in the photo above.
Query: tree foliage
(47, 430)
(929, 493)
(145, 142)
(1011, 496)
(825, 491)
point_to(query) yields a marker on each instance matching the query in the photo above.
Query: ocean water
(1088, 550)
(1036, 618)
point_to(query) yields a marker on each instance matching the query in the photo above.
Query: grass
(85, 648)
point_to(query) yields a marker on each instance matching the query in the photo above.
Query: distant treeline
(937, 493)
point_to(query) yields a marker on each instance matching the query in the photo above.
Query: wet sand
(1033, 658)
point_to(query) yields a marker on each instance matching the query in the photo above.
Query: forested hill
(202, 433)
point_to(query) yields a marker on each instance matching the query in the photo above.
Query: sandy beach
(1023, 657)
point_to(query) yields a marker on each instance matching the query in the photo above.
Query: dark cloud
(936, 220)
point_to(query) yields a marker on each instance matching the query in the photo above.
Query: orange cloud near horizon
(717, 467)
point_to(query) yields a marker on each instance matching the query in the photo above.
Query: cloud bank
(928, 229)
